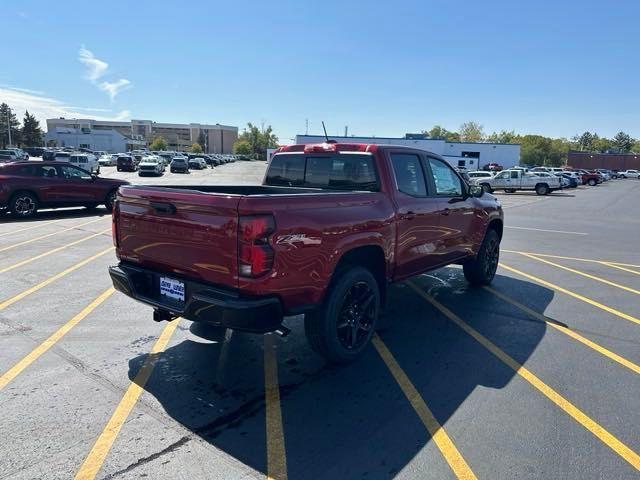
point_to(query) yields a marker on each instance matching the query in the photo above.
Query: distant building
(611, 161)
(115, 136)
(470, 155)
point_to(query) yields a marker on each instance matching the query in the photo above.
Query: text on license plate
(172, 288)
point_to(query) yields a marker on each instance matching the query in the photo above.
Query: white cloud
(44, 107)
(114, 88)
(96, 68)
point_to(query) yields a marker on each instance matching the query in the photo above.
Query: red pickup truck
(330, 227)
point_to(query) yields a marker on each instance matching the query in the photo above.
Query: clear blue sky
(385, 68)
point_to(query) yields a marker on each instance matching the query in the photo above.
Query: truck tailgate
(185, 232)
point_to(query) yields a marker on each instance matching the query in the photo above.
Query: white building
(470, 155)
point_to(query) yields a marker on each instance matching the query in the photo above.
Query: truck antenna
(325, 132)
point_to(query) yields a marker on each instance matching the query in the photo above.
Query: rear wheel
(481, 270)
(110, 201)
(486, 187)
(542, 189)
(342, 327)
(592, 182)
(23, 205)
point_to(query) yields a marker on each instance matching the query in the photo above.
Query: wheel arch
(372, 258)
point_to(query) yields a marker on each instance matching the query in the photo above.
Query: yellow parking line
(35, 288)
(17, 369)
(613, 265)
(92, 464)
(276, 452)
(15, 245)
(578, 259)
(558, 288)
(607, 353)
(586, 275)
(442, 440)
(574, 412)
(38, 257)
(38, 225)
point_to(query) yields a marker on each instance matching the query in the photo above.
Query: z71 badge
(295, 239)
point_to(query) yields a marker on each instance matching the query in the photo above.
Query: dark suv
(126, 163)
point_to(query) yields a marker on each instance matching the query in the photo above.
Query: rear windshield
(339, 171)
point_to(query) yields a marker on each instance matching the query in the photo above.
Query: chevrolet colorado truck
(329, 229)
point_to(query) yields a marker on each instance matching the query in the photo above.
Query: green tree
(242, 147)
(636, 147)
(259, 139)
(195, 148)
(31, 131)
(623, 142)
(585, 140)
(202, 140)
(601, 144)
(158, 143)
(440, 132)
(8, 121)
(535, 150)
(471, 132)
(504, 137)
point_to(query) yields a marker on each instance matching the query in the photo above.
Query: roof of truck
(332, 146)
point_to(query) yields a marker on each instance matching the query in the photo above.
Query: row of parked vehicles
(543, 180)
(156, 163)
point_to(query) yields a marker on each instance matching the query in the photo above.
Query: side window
(27, 170)
(444, 178)
(47, 171)
(514, 174)
(503, 175)
(286, 170)
(73, 173)
(408, 173)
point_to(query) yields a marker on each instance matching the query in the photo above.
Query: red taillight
(255, 255)
(320, 147)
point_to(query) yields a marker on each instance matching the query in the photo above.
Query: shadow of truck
(347, 421)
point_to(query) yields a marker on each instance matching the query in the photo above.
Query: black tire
(542, 189)
(91, 206)
(510, 190)
(23, 205)
(110, 199)
(592, 182)
(342, 327)
(481, 270)
(119, 169)
(486, 187)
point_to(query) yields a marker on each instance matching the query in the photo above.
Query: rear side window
(409, 175)
(334, 171)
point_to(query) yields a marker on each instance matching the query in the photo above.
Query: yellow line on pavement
(38, 257)
(15, 245)
(17, 369)
(613, 265)
(586, 275)
(92, 464)
(38, 225)
(553, 286)
(442, 440)
(35, 288)
(574, 412)
(578, 259)
(276, 451)
(567, 331)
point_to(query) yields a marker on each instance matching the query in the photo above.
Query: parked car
(48, 154)
(35, 151)
(85, 161)
(11, 155)
(61, 156)
(29, 186)
(629, 174)
(126, 163)
(571, 181)
(480, 174)
(179, 164)
(151, 165)
(492, 167)
(198, 163)
(275, 256)
(21, 154)
(574, 175)
(565, 182)
(512, 180)
(108, 160)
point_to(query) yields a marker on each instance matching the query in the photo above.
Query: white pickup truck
(516, 179)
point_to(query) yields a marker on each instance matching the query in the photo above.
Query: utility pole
(346, 130)
(306, 126)
(9, 127)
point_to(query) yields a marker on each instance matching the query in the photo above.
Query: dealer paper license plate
(172, 288)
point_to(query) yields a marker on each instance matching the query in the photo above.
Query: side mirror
(476, 191)
(93, 176)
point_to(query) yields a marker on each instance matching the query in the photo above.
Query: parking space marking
(567, 331)
(587, 275)
(558, 288)
(35, 288)
(613, 265)
(96, 457)
(570, 409)
(38, 225)
(546, 255)
(544, 230)
(48, 235)
(63, 247)
(442, 440)
(276, 451)
(36, 353)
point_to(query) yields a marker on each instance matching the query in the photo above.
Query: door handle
(445, 212)
(409, 215)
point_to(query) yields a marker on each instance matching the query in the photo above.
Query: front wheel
(342, 327)
(110, 201)
(23, 205)
(487, 188)
(481, 270)
(592, 182)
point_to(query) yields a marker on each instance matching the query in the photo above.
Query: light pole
(9, 127)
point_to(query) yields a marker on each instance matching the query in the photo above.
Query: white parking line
(544, 230)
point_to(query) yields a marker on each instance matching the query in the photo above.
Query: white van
(85, 161)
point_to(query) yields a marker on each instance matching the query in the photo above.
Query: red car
(26, 187)
(331, 226)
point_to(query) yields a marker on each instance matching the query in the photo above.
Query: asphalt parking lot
(535, 377)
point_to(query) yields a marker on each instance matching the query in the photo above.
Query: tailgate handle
(161, 207)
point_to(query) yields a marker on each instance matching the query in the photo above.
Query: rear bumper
(203, 302)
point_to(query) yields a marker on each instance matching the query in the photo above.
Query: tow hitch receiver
(163, 315)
